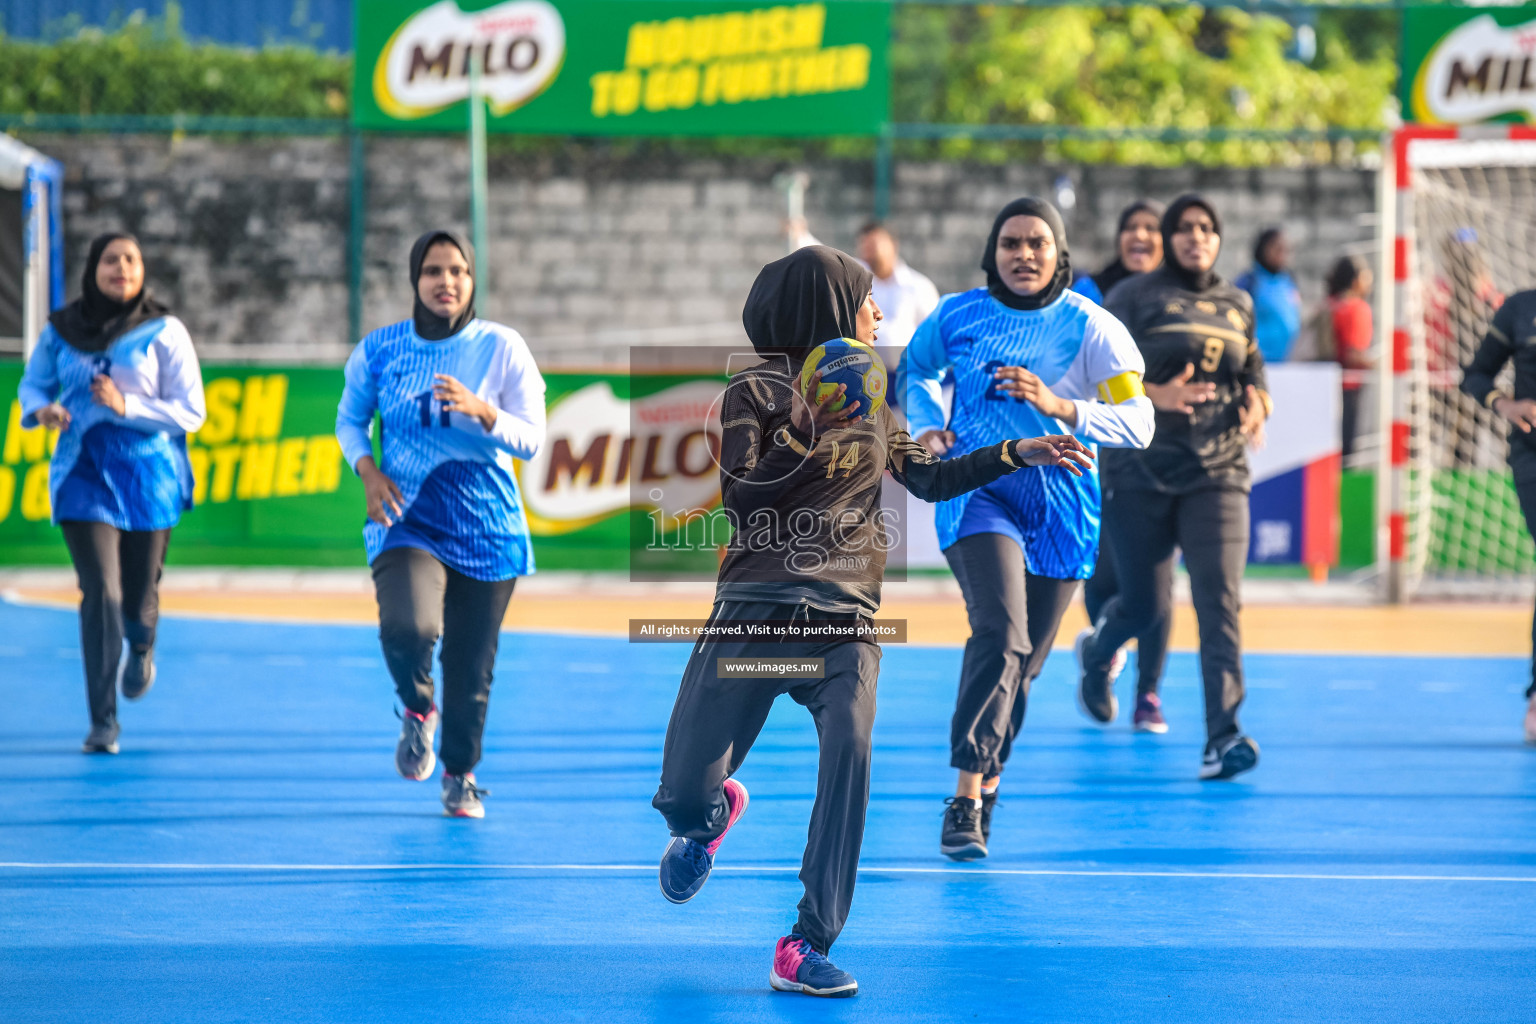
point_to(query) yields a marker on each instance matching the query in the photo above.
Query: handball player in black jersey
(1511, 338)
(1189, 488)
(800, 481)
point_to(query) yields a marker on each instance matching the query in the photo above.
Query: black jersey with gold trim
(1212, 330)
(1511, 338)
(809, 527)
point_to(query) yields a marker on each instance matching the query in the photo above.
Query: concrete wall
(590, 251)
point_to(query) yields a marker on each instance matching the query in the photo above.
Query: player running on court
(1138, 250)
(115, 374)
(799, 478)
(459, 399)
(1511, 337)
(1029, 357)
(1189, 489)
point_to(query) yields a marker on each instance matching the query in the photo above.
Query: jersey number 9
(1214, 349)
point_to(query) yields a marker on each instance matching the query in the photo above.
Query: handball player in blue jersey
(1029, 357)
(458, 399)
(114, 373)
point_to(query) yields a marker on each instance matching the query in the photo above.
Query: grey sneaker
(102, 740)
(139, 674)
(461, 797)
(413, 755)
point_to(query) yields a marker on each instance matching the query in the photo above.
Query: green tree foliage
(1178, 68)
(149, 67)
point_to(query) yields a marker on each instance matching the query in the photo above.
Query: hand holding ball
(852, 364)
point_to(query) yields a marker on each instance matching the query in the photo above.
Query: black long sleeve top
(1212, 329)
(809, 526)
(1511, 337)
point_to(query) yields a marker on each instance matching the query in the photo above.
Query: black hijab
(1118, 271)
(1194, 281)
(94, 320)
(1028, 207)
(808, 297)
(428, 324)
(1265, 237)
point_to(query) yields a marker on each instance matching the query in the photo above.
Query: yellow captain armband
(1122, 388)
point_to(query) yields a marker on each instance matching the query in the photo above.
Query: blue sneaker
(797, 967)
(685, 865)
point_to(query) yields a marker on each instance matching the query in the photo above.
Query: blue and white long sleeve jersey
(129, 471)
(462, 504)
(1083, 354)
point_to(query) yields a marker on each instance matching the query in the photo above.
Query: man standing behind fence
(904, 296)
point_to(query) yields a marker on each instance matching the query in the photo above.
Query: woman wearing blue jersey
(458, 399)
(1029, 357)
(114, 373)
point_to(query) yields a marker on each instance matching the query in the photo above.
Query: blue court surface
(251, 855)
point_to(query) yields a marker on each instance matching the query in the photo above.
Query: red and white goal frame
(1396, 316)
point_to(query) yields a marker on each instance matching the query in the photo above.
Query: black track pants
(1351, 414)
(1014, 617)
(119, 576)
(715, 722)
(1525, 489)
(1147, 530)
(421, 599)
(1151, 643)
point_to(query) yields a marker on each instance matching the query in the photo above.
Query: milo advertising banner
(624, 67)
(1468, 64)
(271, 487)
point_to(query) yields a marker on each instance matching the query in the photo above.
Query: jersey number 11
(425, 400)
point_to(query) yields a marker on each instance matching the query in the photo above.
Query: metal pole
(1391, 297)
(793, 184)
(357, 228)
(883, 159)
(477, 171)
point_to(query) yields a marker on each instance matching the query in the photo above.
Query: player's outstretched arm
(931, 479)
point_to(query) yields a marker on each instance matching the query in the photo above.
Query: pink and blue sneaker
(798, 967)
(685, 865)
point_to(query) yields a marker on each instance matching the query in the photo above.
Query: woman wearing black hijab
(1189, 489)
(1028, 356)
(458, 398)
(801, 483)
(115, 374)
(1138, 250)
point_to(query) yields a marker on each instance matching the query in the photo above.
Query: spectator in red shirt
(1349, 282)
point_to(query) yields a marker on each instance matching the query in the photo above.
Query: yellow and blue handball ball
(850, 362)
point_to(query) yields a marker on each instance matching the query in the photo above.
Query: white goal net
(1467, 226)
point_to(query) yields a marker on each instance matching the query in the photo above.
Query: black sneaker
(962, 838)
(102, 740)
(1095, 687)
(1236, 756)
(988, 801)
(139, 673)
